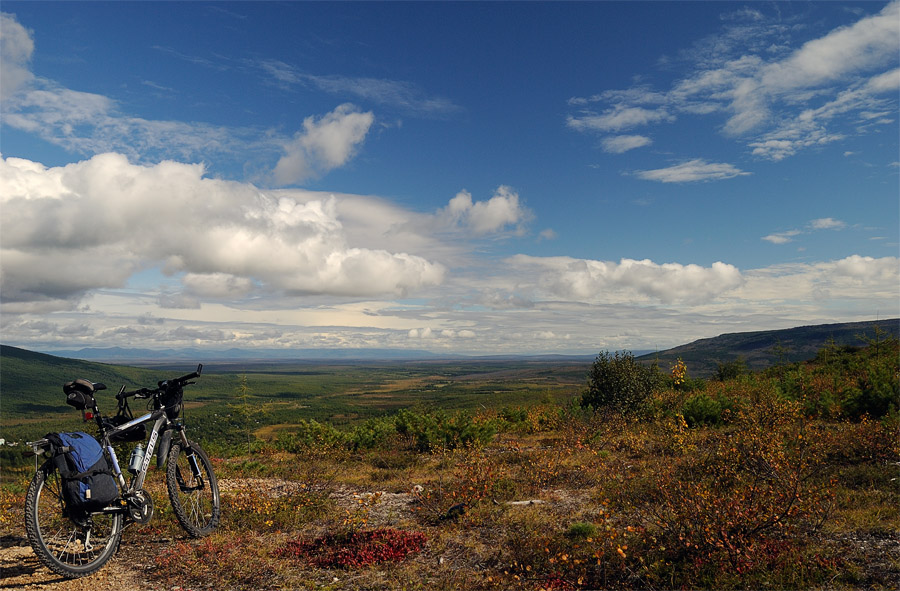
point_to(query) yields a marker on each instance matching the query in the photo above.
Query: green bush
(582, 530)
(877, 394)
(701, 409)
(310, 434)
(373, 433)
(515, 415)
(618, 382)
(729, 370)
(435, 430)
(846, 381)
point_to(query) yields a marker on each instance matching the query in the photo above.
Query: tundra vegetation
(641, 478)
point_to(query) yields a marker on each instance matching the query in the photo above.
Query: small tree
(730, 370)
(244, 412)
(617, 382)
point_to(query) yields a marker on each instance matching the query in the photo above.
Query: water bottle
(137, 458)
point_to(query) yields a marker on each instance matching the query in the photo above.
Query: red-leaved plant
(355, 549)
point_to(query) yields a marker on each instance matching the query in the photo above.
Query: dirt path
(20, 569)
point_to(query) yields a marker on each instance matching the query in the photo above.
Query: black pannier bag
(170, 399)
(79, 394)
(87, 480)
(131, 434)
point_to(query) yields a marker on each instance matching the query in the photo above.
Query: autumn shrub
(539, 418)
(748, 504)
(542, 468)
(672, 436)
(867, 441)
(12, 507)
(221, 561)
(356, 549)
(601, 553)
(561, 465)
(253, 508)
(464, 478)
(594, 430)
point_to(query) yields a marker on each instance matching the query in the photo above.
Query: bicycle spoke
(70, 547)
(193, 490)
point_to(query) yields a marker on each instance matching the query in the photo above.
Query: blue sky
(459, 177)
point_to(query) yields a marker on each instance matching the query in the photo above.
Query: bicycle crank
(140, 507)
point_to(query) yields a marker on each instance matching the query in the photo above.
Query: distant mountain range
(120, 355)
(766, 348)
(759, 350)
(162, 356)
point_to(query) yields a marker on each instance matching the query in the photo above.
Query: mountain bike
(74, 542)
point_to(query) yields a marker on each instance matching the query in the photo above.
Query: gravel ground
(130, 568)
(20, 569)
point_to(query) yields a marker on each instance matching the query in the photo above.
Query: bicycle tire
(194, 501)
(59, 541)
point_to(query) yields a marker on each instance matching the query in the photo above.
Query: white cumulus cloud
(502, 210)
(323, 144)
(93, 224)
(605, 281)
(870, 281)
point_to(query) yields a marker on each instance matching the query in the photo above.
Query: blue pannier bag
(88, 483)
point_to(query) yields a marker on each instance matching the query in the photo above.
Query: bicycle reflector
(86, 415)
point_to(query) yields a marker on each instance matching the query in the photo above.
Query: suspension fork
(191, 456)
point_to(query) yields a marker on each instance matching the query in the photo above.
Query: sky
(471, 178)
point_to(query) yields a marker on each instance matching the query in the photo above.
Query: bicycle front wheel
(193, 489)
(69, 545)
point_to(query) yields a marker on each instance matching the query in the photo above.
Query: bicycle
(74, 543)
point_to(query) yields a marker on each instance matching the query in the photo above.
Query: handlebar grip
(139, 392)
(193, 375)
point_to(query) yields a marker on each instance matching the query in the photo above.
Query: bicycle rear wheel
(193, 489)
(72, 546)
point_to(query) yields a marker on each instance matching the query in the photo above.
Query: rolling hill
(766, 348)
(32, 382)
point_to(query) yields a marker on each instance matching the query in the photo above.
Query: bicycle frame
(162, 424)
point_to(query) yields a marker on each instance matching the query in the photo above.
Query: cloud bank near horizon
(279, 262)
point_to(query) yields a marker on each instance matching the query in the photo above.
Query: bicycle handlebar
(163, 385)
